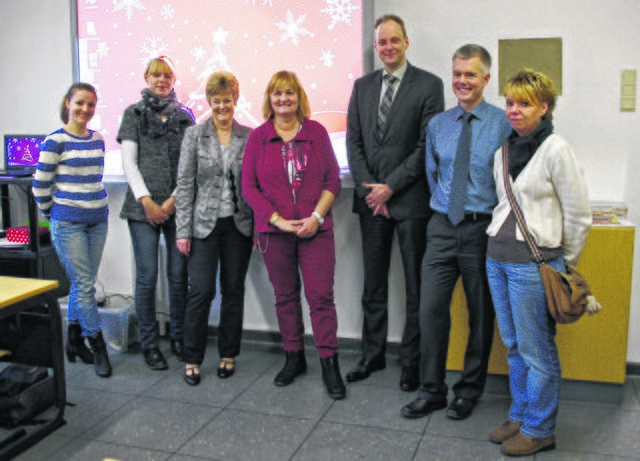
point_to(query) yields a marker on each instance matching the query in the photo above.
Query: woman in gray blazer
(214, 225)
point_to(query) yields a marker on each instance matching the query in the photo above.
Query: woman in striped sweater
(69, 191)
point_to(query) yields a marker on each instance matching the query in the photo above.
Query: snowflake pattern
(264, 2)
(293, 28)
(167, 12)
(340, 11)
(327, 58)
(151, 48)
(128, 6)
(198, 53)
(90, 2)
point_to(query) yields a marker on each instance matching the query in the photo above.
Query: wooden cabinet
(594, 348)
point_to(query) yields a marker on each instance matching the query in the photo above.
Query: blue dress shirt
(489, 130)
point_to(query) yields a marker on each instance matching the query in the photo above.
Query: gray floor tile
(181, 457)
(560, 455)
(375, 406)
(605, 429)
(488, 413)
(238, 435)
(89, 408)
(436, 448)
(331, 441)
(94, 450)
(211, 390)
(130, 375)
(44, 448)
(153, 424)
(305, 398)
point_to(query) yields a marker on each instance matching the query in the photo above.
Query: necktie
(460, 180)
(385, 104)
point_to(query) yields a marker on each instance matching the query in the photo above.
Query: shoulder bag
(568, 295)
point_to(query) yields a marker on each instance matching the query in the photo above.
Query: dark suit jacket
(398, 159)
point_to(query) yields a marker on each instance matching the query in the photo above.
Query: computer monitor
(21, 152)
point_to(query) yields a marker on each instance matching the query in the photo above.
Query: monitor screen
(22, 150)
(320, 40)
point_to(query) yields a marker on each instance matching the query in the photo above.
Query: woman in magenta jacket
(290, 177)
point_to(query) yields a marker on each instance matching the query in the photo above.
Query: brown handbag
(568, 295)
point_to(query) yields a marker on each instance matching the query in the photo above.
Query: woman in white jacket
(549, 185)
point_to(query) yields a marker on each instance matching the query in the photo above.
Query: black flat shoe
(364, 369)
(192, 375)
(226, 368)
(420, 408)
(460, 408)
(154, 359)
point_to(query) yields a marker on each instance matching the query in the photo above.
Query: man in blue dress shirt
(456, 245)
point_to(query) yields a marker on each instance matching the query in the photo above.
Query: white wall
(598, 42)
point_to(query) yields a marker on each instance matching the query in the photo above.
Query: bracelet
(318, 217)
(274, 218)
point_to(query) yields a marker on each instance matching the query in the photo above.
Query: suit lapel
(213, 148)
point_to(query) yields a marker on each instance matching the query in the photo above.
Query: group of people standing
(434, 177)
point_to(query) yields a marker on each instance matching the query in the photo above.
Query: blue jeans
(79, 247)
(528, 331)
(145, 240)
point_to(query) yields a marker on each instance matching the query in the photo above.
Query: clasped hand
(303, 228)
(377, 198)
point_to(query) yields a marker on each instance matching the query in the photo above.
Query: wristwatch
(318, 217)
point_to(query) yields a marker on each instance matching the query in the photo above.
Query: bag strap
(522, 224)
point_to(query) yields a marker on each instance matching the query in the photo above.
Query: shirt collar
(479, 111)
(399, 74)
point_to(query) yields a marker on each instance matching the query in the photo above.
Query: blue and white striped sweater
(68, 180)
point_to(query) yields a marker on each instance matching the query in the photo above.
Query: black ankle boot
(332, 378)
(99, 349)
(75, 344)
(295, 365)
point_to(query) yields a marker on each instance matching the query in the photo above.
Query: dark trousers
(377, 238)
(227, 246)
(454, 251)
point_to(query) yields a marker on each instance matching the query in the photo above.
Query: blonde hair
(286, 79)
(222, 81)
(160, 65)
(530, 85)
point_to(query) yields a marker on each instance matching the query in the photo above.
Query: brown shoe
(504, 431)
(521, 445)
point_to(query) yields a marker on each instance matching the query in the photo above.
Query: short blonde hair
(222, 81)
(160, 65)
(530, 85)
(286, 79)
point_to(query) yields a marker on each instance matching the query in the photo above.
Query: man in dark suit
(388, 116)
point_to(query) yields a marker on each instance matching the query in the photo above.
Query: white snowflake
(152, 48)
(102, 49)
(128, 6)
(167, 12)
(90, 2)
(264, 2)
(327, 58)
(340, 11)
(220, 36)
(293, 28)
(198, 53)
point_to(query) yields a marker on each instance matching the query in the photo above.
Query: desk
(31, 314)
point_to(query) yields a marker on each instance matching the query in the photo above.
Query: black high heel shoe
(192, 375)
(75, 346)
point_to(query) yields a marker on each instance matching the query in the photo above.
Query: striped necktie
(460, 180)
(385, 104)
